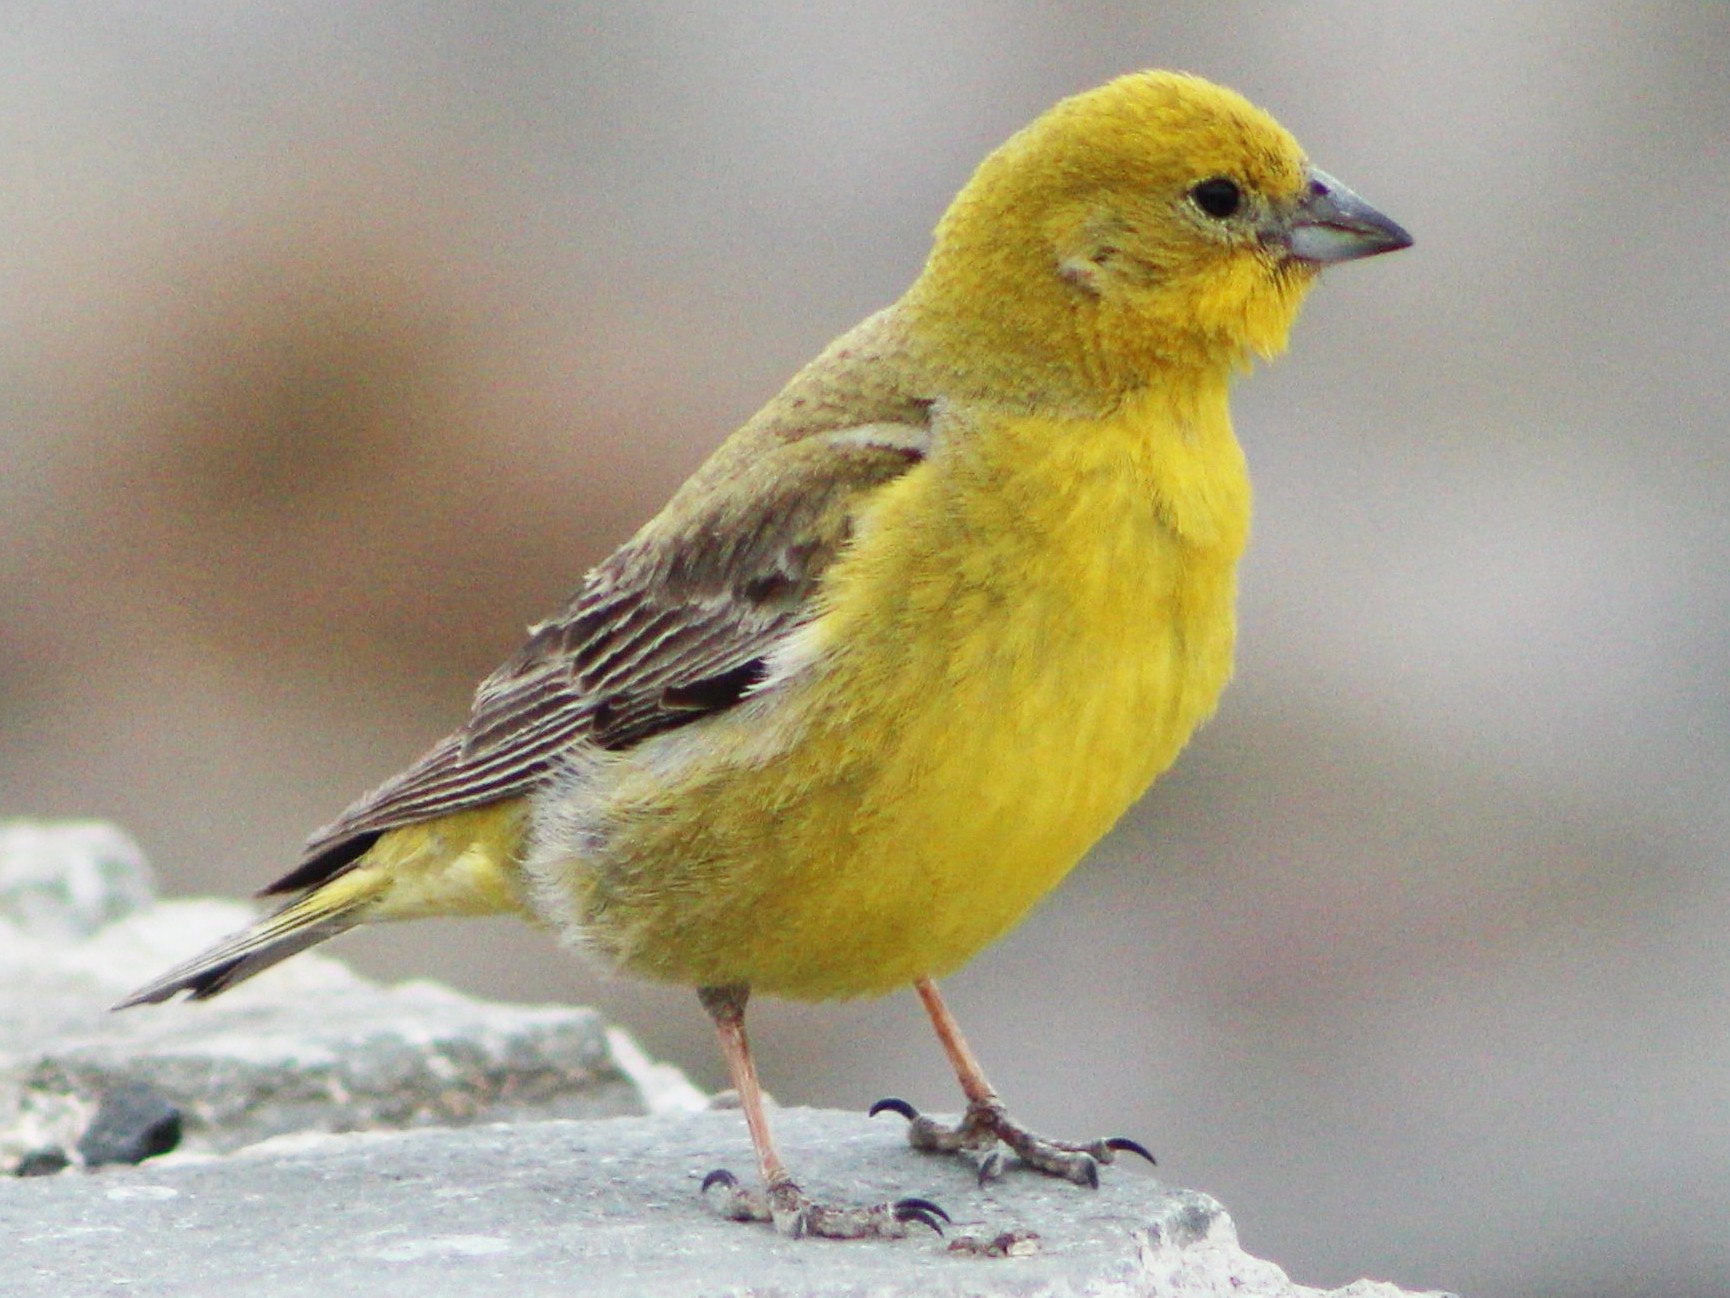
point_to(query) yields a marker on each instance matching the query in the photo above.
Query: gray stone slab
(313, 1047)
(597, 1209)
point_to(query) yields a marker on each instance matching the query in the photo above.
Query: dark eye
(1218, 197)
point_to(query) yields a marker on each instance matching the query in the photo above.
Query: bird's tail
(462, 863)
(322, 913)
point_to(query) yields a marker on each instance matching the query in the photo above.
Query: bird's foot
(795, 1214)
(985, 1125)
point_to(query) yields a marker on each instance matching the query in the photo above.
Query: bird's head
(1158, 222)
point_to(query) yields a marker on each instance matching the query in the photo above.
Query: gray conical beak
(1333, 224)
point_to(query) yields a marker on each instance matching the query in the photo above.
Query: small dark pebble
(132, 1123)
(43, 1162)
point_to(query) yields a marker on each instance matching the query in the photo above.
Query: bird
(908, 643)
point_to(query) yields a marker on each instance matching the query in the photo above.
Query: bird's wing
(676, 625)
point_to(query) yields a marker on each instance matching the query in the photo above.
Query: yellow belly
(1004, 669)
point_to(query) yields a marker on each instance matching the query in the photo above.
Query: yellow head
(1158, 223)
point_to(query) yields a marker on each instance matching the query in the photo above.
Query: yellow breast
(1028, 629)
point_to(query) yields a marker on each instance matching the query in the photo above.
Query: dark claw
(990, 1168)
(720, 1176)
(893, 1105)
(924, 1218)
(1089, 1174)
(903, 1213)
(1124, 1145)
(921, 1205)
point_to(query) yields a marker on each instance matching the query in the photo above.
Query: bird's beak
(1332, 224)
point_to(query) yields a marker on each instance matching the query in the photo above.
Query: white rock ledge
(598, 1209)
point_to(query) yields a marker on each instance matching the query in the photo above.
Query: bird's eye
(1218, 197)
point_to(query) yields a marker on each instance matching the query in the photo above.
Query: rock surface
(601, 1209)
(312, 1047)
(294, 1101)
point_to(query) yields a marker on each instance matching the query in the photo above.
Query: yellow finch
(912, 639)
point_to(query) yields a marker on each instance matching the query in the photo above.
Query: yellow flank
(464, 863)
(461, 864)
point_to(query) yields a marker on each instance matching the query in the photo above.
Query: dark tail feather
(298, 925)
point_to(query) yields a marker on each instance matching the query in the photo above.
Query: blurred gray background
(338, 340)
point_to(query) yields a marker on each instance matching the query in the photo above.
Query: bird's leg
(987, 1122)
(781, 1201)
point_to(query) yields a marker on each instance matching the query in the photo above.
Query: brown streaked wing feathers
(674, 626)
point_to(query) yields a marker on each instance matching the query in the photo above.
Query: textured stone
(602, 1209)
(132, 1123)
(311, 1047)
